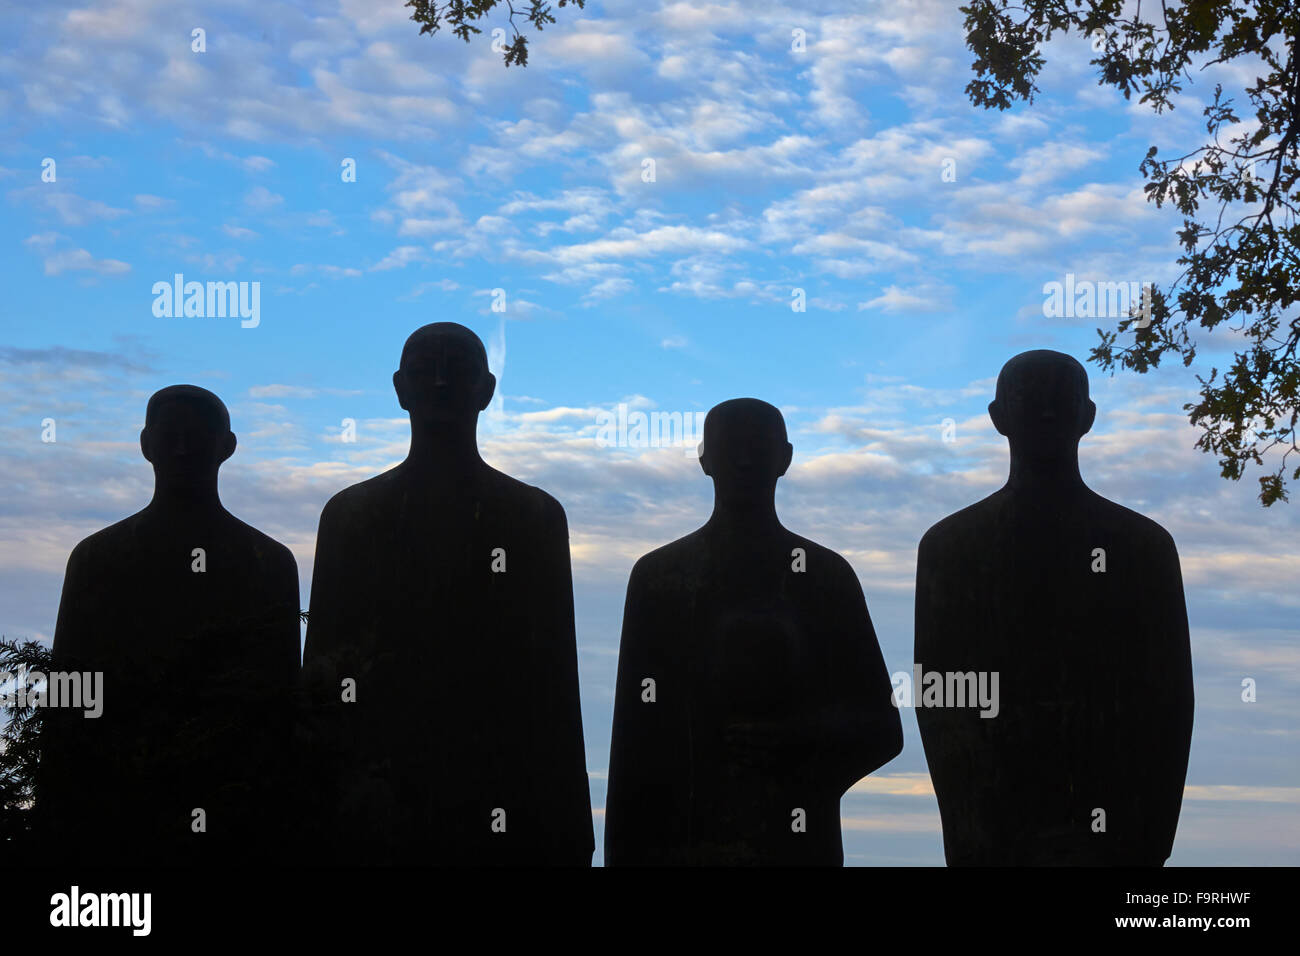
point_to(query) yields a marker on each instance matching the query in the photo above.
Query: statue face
(445, 380)
(744, 451)
(185, 442)
(1044, 411)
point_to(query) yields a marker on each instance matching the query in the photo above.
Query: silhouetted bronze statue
(751, 690)
(1077, 603)
(191, 616)
(441, 660)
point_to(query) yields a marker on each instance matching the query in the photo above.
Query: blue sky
(775, 170)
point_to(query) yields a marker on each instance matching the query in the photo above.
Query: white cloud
(897, 299)
(261, 199)
(400, 257)
(71, 260)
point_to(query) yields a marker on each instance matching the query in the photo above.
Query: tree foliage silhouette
(460, 15)
(19, 738)
(1239, 269)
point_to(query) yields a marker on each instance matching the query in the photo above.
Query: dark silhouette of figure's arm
(274, 801)
(860, 730)
(327, 724)
(562, 758)
(645, 806)
(855, 728)
(282, 634)
(68, 778)
(327, 643)
(959, 753)
(1162, 734)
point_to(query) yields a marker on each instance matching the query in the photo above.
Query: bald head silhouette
(443, 376)
(209, 405)
(745, 450)
(186, 437)
(1041, 404)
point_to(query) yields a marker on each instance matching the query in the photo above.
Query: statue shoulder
(360, 498)
(971, 521)
(269, 552)
(819, 551)
(106, 546)
(547, 504)
(665, 560)
(518, 497)
(1135, 525)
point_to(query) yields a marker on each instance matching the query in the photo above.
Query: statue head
(745, 449)
(186, 434)
(443, 375)
(1041, 404)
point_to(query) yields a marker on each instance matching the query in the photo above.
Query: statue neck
(190, 498)
(1058, 474)
(444, 448)
(748, 516)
